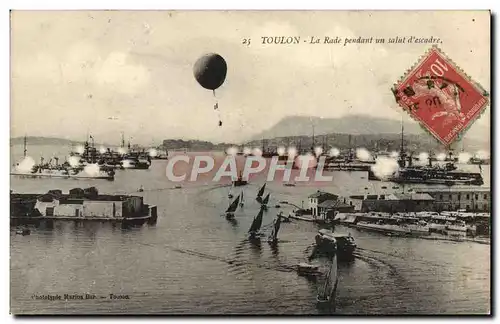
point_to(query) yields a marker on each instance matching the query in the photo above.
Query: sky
(107, 72)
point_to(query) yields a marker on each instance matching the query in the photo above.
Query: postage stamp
(440, 96)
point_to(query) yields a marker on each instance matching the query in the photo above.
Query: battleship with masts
(66, 170)
(429, 174)
(125, 158)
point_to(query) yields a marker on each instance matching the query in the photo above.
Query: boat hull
(130, 221)
(322, 302)
(346, 252)
(255, 235)
(62, 176)
(392, 229)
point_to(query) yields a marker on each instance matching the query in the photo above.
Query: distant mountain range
(369, 132)
(194, 145)
(56, 141)
(37, 140)
(372, 142)
(365, 131)
(352, 124)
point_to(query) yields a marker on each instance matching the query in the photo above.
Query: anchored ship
(53, 169)
(65, 172)
(430, 174)
(125, 158)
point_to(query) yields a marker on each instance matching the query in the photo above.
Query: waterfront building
(391, 203)
(317, 198)
(88, 204)
(328, 208)
(473, 199)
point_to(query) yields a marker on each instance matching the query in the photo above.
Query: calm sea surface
(196, 262)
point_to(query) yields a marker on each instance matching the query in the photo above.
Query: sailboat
(254, 231)
(327, 293)
(260, 193)
(232, 208)
(242, 203)
(265, 202)
(239, 182)
(273, 238)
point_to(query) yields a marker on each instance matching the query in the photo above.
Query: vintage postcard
(250, 162)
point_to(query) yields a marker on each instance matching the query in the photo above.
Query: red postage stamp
(440, 96)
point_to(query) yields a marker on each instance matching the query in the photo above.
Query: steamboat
(66, 170)
(330, 243)
(432, 174)
(429, 174)
(125, 158)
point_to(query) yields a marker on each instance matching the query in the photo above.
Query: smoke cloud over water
(74, 161)
(385, 167)
(26, 165)
(292, 152)
(257, 152)
(247, 151)
(464, 157)
(363, 154)
(92, 170)
(422, 158)
(127, 164)
(334, 152)
(153, 152)
(441, 157)
(122, 150)
(483, 155)
(79, 149)
(232, 151)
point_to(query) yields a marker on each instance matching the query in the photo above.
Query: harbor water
(194, 261)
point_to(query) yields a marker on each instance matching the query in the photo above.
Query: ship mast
(25, 149)
(313, 140)
(402, 137)
(351, 152)
(402, 158)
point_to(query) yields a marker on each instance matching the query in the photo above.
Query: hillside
(371, 133)
(391, 142)
(352, 124)
(37, 140)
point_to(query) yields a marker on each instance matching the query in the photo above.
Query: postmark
(440, 96)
